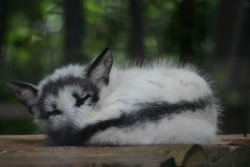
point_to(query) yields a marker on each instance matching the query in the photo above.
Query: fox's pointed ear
(24, 92)
(98, 70)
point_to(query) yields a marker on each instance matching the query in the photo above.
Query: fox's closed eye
(54, 113)
(80, 100)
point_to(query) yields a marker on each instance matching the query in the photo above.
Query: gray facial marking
(54, 86)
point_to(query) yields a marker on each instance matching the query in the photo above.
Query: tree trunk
(73, 20)
(3, 27)
(186, 16)
(136, 43)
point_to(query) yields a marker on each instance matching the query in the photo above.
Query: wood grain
(31, 150)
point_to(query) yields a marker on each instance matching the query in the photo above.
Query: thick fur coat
(97, 104)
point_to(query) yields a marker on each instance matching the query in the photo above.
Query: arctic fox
(97, 104)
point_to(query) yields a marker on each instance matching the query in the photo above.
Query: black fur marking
(54, 86)
(95, 98)
(81, 101)
(67, 136)
(148, 112)
(76, 96)
(54, 113)
(30, 110)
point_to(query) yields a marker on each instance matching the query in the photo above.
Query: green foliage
(18, 126)
(35, 34)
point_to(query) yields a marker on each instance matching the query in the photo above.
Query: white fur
(185, 128)
(130, 86)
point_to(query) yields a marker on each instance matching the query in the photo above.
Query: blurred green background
(37, 36)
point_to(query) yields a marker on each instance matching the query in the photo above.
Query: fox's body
(97, 104)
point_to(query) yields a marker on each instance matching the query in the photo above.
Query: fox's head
(66, 94)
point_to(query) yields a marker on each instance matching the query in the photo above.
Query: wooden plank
(235, 139)
(31, 150)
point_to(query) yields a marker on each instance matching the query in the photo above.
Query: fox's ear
(24, 92)
(98, 70)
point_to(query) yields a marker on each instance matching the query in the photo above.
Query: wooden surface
(30, 150)
(235, 140)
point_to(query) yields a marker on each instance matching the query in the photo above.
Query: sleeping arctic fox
(100, 105)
